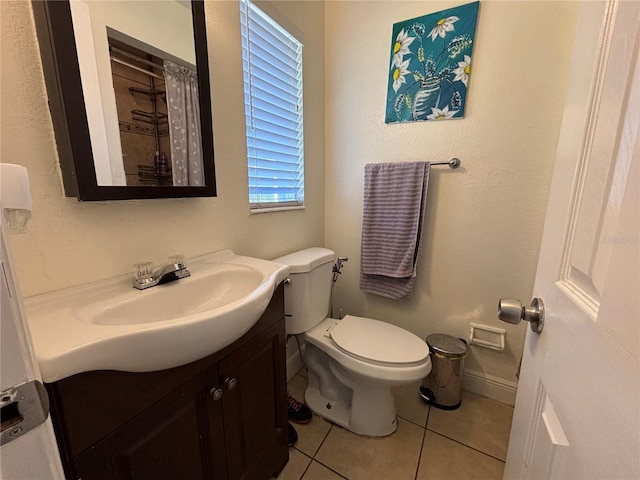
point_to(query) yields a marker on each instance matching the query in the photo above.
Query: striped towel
(394, 201)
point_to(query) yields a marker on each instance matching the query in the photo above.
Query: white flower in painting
(463, 70)
(444, 114)
(398, 75)
(443, 26)
(401, 47)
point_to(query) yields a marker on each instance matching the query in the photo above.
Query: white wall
(484, 220)
(70, 242)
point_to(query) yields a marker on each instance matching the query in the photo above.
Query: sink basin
(213, 290)
(109, 325)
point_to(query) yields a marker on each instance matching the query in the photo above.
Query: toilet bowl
(354, 362)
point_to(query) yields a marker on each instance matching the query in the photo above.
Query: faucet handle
(144, 271)
(178, 260)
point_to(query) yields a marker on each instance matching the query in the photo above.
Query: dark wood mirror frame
(66, 102)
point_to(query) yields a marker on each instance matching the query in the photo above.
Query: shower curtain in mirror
(184, 124)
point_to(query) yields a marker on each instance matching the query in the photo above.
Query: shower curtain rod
(453, 163)
(132, 56)
(126, 64)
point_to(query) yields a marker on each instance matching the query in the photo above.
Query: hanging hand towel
(394, 200)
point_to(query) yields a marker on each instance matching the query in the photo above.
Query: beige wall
(484, 220)
(69, 242)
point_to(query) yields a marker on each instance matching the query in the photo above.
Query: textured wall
(484, 220)
(69, 242)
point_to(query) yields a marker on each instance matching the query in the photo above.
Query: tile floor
(470, 442)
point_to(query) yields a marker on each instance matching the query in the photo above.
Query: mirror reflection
(138, 68)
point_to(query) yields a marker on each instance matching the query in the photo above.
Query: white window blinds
(272, 64)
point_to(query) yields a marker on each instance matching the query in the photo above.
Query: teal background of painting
(466, 25)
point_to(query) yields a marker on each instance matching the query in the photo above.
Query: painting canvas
(430, 65)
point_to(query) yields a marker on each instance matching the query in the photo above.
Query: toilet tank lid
(306, 260)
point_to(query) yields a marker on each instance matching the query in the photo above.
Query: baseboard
(490, 386)
(294, 362)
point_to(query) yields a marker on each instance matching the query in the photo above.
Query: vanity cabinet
(221, 417)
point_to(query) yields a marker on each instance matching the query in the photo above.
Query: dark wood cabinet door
(255, 409)
(180, 437)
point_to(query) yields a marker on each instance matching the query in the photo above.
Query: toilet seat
(373, 371)
(378, 342)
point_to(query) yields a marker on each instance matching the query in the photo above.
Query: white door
(577, 413)
(29, 453)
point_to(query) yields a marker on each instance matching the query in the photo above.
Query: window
(272, 64)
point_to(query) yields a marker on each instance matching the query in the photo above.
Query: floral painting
(431, 65)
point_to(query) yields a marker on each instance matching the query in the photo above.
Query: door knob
(510, 310)
(230, 383)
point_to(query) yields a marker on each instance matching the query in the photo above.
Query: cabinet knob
(216, 393)
(230, 383)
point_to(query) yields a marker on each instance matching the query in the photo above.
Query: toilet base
(359, 405)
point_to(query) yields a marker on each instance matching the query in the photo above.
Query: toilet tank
(307, 297)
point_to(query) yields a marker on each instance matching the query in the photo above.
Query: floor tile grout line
(303, 453)
(329, 468)
(308, 465)
(424, 434)
(314, 459)
(323, 440)
(410, 421)
(465, 445)
(306, 469)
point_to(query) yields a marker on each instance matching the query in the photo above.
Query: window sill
(276, 209)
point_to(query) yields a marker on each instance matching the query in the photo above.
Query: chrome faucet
(146, 277)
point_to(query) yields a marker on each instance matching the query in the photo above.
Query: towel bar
(453, 163)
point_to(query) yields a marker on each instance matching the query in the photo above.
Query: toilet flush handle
(510, 310)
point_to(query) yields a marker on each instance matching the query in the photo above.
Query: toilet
(353, 362)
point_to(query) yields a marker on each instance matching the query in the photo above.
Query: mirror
(129, 94)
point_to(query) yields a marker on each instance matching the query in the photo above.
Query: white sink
(220, 286)
(109, 325)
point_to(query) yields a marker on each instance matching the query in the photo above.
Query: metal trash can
(442, 388)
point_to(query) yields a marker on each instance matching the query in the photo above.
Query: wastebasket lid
(447, 346)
